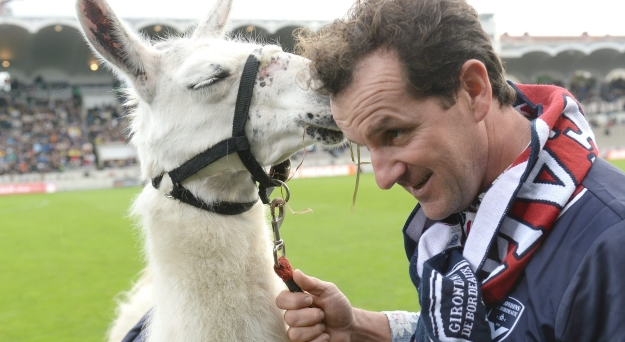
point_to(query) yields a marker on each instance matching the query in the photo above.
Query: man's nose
(386, 171)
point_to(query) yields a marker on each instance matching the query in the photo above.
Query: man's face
(437, 155)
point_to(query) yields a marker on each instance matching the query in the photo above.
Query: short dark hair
(432, 38)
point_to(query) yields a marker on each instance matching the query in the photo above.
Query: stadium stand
(609, 130)
(61, 120)
(45, 128)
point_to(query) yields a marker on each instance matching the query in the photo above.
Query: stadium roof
(518, 46)
(54, 49)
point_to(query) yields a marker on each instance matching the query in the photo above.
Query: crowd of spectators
(613, 90)
(585, 88)
(44, 133)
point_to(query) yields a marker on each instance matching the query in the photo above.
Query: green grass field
(64, 256)
(620, 164)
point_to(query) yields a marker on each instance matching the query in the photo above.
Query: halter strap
(237, 143)
(241, 112)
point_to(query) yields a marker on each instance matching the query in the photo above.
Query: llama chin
(209, 277)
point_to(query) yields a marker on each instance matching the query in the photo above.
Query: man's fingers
(292, 301)
(311, 285)
(297, 300)
(297, 334)
(322, 338)
(304, 317)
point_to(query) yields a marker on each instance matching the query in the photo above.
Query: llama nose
(323, 101)
(332, 123)
(324, 120)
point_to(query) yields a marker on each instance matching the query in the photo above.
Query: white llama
(212, 274)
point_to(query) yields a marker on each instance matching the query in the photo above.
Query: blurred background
(67, 174)
(60, 109)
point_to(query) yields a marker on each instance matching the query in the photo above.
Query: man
(519, 229)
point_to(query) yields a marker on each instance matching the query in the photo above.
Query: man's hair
(432, 38)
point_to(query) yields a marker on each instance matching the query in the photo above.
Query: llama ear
(215, 23)
(109, 37)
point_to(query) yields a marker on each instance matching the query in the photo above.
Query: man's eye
(394, 134)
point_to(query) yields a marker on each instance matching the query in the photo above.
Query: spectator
(38, 134)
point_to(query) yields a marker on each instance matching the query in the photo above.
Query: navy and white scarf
(471, 260)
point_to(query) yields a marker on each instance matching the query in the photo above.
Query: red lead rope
(281, 266)
(285, 272)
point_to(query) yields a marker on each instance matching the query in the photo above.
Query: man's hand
(321, 313)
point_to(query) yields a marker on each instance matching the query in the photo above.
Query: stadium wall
(317, 165)
(69, 181)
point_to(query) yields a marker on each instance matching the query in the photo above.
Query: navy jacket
(573, 288)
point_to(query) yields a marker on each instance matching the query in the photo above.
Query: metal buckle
(279, 249)
(288, 192)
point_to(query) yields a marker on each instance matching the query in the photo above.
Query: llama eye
(212, 80)
(203, 83)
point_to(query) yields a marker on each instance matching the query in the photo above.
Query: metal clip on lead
(279, 250)
(282, 267)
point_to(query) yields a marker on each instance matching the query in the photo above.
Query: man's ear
(475, 82)
(117, 45)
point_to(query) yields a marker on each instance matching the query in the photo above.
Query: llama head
(184, 90)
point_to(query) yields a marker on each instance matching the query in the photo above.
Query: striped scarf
(471, 260)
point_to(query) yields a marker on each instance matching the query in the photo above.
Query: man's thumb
(311, 285)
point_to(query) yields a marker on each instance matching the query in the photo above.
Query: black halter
(238, 143)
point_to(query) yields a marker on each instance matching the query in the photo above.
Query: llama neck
(213, 275)
(231, 187)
